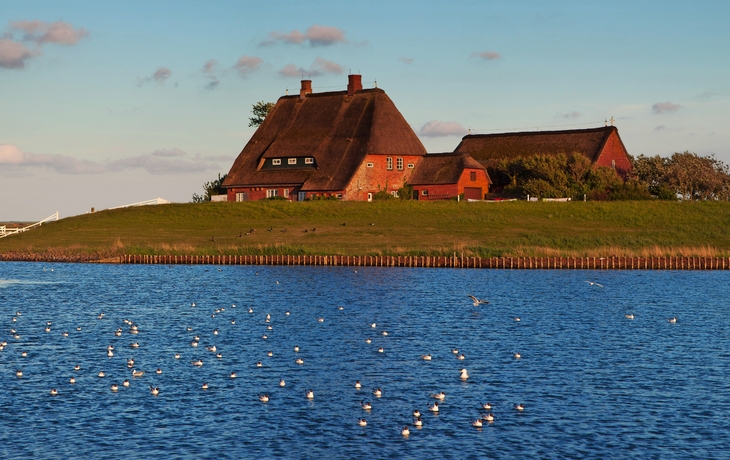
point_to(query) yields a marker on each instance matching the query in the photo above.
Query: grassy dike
(400, 228)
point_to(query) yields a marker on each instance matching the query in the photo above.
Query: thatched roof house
(349, 144)
(448, 175)
(602, 146)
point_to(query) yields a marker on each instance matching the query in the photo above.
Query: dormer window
(276, 161)
(292, 161)
(309, 161)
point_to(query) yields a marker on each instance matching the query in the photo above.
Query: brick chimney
(306, 88)
(354, 83)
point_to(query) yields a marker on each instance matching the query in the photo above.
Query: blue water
(593, 383)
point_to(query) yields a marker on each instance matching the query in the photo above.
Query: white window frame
(239, 196)
(291, 161)
(371, 165)
(389, 163)
(424, 192)
(411, 166)
(272, 192)
(302, 196)
(399, 164)
(286, 193)
(309, 161)
(276, 161)
(394, 193)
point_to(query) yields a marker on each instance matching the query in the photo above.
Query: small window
(370, 165)
(292, 161)
(309, 161)
(339, 196)
(276, 161)
(411, 166)
(286, 193)
(399, 164)
(424, 192)
(394, 193)
(301, 196)
(389, 163)
(241, 196)
(272, 192)
(613, 164)
(473, 176)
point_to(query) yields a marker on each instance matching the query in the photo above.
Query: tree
(259, 110)
(687, 174)
(214, 187)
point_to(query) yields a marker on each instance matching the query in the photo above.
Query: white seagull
(476, 301)
(593, 283)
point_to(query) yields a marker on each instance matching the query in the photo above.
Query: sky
(109, 103)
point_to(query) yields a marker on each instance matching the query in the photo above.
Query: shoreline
(455, 261)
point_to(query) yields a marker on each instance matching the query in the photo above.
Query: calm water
(593, 383)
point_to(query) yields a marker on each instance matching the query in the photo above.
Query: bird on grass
(476, 301)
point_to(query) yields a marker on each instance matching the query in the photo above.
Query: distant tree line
(685, 176)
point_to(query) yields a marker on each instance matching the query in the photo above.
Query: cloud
(571, 116)
(209, 73)
(247, 65)
(486, 55)
(159, 162)
(160, 76)
(406, 60)
(660, 128)
(665, 107)
(435, 128)
(320, 66)
(315, 36)
(59, 32)
(14, 54)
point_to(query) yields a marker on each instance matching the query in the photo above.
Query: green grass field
(400, 228)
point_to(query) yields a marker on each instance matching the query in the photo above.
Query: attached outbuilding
(447, 175)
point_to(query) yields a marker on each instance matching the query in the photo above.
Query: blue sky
(109, 103)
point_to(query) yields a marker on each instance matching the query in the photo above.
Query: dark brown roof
(487, 148)
(442, 168)
(336, 129)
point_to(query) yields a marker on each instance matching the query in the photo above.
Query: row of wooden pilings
(585, 263)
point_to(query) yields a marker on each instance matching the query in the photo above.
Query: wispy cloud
(436, 128)
(665, 107)
(486, 55)
(406, 60)
(316, 36)
(159, 162)
(160, 76)
(209, 72)
(570, 116)
(320, 66)
(660, 128)
(15, 52)
(247, 65)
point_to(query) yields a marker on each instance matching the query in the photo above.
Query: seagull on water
(489, 417)
(282, 383)
(672, 320)
(358, 385)
(264, 398)
(487, 406)
(519, 407)
(426, 357)
(434, 408)
(440, 396)
(417, 422)
(464, 375)
(310, 394)
(593, 283)
(362, 422)
(405, 431)
(629, 316)
(477, 423)
(476, 301)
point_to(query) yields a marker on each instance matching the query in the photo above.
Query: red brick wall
(452, 190)
(259, 193)
(615, 151)
(371, 180)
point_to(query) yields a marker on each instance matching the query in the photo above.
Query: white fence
(4, 231)
(143, 203)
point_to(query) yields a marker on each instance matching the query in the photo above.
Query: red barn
(344, 144)
(448, 175)
(602, 146)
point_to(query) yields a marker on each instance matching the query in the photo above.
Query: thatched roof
(490, 148)
(337, 130)
(442, 168)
